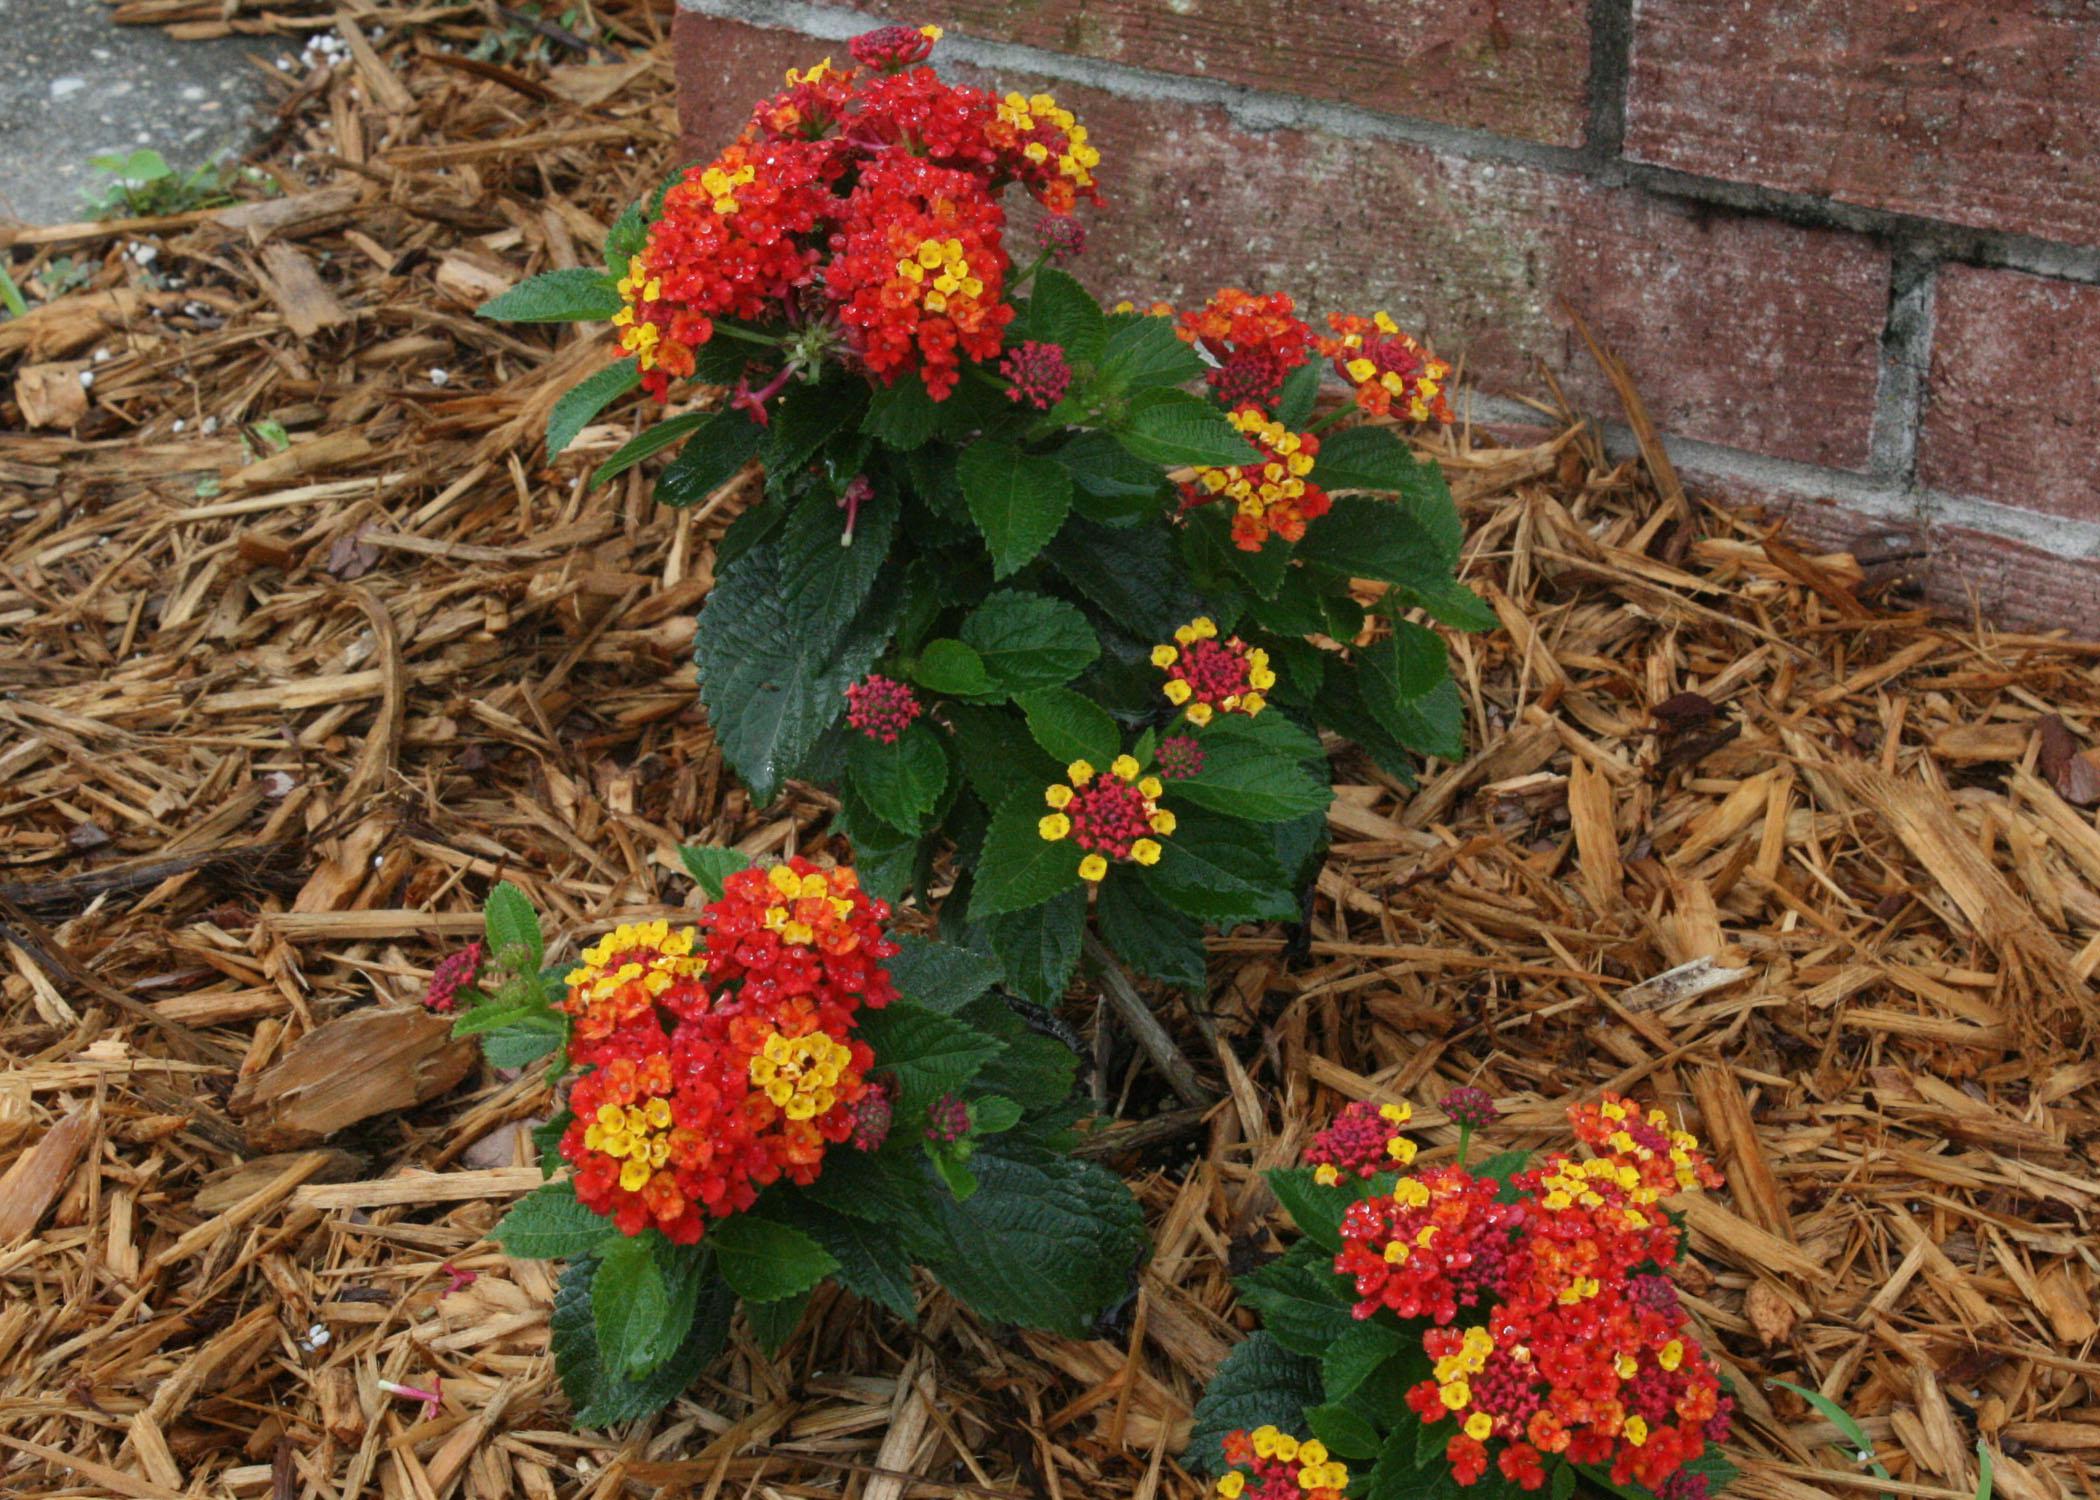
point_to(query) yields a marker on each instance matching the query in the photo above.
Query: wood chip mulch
(302, 644)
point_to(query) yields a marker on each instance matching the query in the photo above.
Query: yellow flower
(1059, 797)
(1199, 713)
(934, 34)
(1178, 692)
(1456, 1396)
(1162, 822)
(1636, 1431)
(1080, 772)
(1325, 1174)
(1093, 868)
(1164, 656)
(1480, 1426)
(1231, 1485)
(1145, 852)
(1124, 768)
(1053, 826)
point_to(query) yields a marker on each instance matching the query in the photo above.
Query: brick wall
(1849, 248)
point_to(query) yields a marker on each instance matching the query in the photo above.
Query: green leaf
(1316, 1210)
(602, 1399)
(1450, 602)
(710, 866)
(1035, 1070)
(635, 1306)
(1407, 688)
(1174, 428)
(650, 440)
(523, 1044)
(512, 928)
(774, 1323)
(901, 415)
(1018, 501)
(1067, 1233)
(960, 1181)
(1149, 935)
(580, 295)
(1039, 946)
(1258, 1384)
(1301, 388)
(765, 1261)
(994, 1114)
(1142, 353)
(771, 686)
(585, 399)
(1206, 539)
(940, 976)
(999, 756)
(948, 666)
(805, 418)
(901, 782)
(931, 1054)
(1346, 1434)
(893, 1188)
(1131, 574)
(1562, 1485)
(1060, 312)
(1372, 458)
(1302, 1302)
(1111, 484)
(1244, 776)
(826, 582)
(1029, 641)
(1365, 538)
(1019, 867)
(1396, 1473)
(1070, 727)
(549, 1224)
(627, 238)
(1221, 870)
(1355, 1356)
(721, 445)
(873, 1261)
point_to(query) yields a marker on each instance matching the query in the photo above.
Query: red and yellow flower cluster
(1547, 1337)
(721, 1064)
(1207, 676)
(1112, 815)
(1270, 498)
(1254, 342)
(865, 199)
(1269, 1464)
(1391, 373)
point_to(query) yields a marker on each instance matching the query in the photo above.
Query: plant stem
(749, 336)
(1144, 1026)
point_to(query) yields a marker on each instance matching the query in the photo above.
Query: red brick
(1516, 67)
(1752, 333)
(1979, 112)
(2015, 380)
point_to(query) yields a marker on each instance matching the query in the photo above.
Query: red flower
(918, 271)
(712, 1076)
(1272, 497)
(1256, 342)
(1039, 374)
(1393, 375)
(881, 707)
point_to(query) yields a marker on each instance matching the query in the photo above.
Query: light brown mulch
(1823, 877)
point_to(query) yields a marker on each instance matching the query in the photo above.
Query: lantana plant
(1056, 600)
(779, 1096)
(1475, 1330)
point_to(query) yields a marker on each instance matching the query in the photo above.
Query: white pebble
(87, 379)
(439, 376)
